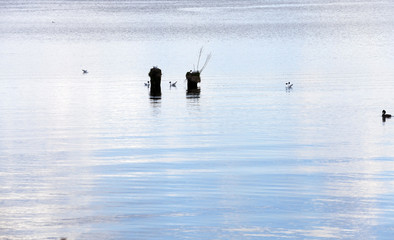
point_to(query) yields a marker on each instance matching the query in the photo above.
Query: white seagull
(289, 85)
(147, 84)
(173, 84)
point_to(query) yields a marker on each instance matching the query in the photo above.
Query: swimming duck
(385, 115)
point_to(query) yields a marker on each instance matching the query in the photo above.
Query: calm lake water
(92, 156)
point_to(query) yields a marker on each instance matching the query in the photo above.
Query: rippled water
(92, 156)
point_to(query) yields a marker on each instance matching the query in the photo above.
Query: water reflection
(193, 93)
(349, 202)
(193, 100)
(155, 89)
(155, 103)
(101, 163)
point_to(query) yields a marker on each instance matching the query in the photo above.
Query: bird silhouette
(173, 84)
(385, 115)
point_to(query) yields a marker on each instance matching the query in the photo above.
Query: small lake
(94, 156)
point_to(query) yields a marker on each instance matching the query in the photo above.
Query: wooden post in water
(155, 81)
(193, 78)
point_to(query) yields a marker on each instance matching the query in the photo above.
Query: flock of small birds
(288, 85)
(384, 114)
(172, 84)
(147, 84)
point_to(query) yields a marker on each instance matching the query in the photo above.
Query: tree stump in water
(155, 81)
(193, 78)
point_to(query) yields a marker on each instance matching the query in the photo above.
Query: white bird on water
(173, 84)
(84, 71)
(289, 85)
(146, 84)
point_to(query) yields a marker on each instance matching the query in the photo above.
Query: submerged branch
(206, 62)
(199, 57)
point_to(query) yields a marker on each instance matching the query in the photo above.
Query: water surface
(92, 156)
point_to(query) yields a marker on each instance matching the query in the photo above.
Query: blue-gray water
(91, 156)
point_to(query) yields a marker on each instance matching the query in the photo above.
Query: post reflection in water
(194, 93)
(155, 103)
(193, 100)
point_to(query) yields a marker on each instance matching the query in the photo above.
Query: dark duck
(385, 115)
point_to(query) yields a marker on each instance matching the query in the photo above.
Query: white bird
(289, 85)
(147, 84)
(173, 84)
(84, 71)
